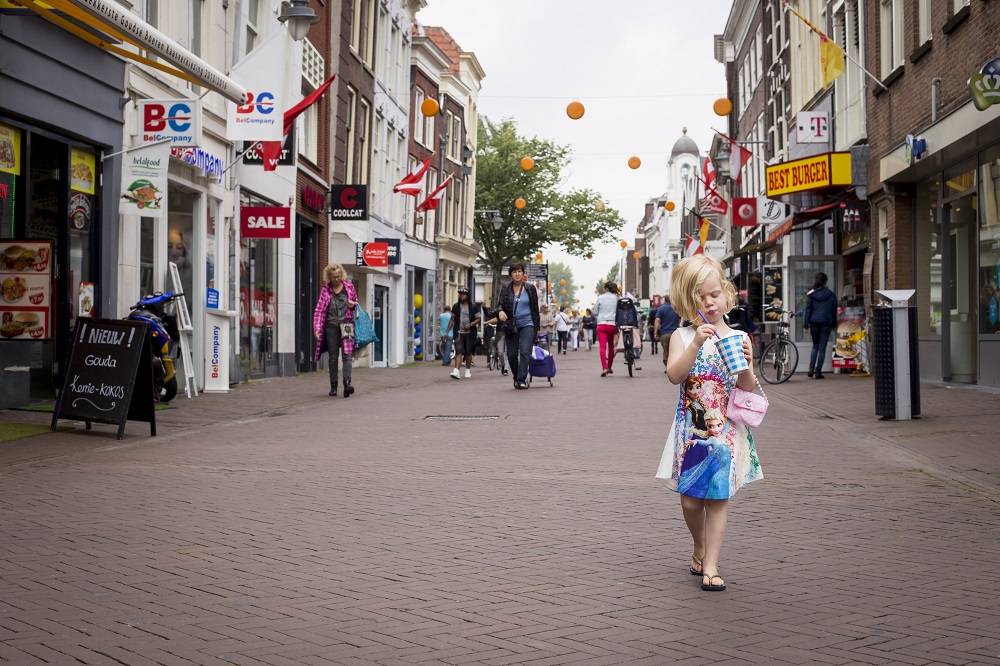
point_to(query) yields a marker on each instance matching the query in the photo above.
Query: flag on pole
(692, 247)
(432, 201)
(738, 158)
(703, 231)
(713, 201)
(830, 53)
(273, 148)
(413, 182)
(708, 170)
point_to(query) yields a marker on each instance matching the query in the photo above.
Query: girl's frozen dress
(694, 463)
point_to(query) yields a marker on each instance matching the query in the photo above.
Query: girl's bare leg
(694, 516)
(714, 533)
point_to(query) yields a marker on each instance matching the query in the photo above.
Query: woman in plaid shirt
(333, 324)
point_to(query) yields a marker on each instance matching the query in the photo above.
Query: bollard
(897, 375)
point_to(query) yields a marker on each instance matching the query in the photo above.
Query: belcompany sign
(810, 173)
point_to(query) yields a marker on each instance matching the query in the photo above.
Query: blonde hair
(688, 276)
(714, 415)
(331, 269)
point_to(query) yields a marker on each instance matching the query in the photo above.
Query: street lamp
(300, 18)
(496, 219)
(722, 162)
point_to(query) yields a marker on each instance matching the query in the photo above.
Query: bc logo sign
(176, 120)
(262, 103)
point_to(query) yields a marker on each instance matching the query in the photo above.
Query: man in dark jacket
(465, 319)
(820, 318)
(518, 311)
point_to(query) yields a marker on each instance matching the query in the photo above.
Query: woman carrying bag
(333, 324)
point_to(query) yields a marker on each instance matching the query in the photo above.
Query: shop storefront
(258, 289)
(53, 133)
(310, 230)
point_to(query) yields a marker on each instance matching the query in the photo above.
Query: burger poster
(144, 180)
(847, 345)
(81, 171)
(25, 290)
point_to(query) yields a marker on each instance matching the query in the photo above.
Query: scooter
(166, 339)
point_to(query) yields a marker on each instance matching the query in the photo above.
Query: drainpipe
(935, 82)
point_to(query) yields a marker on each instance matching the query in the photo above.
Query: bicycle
(779, 358)
(493, 360)
(628, 347)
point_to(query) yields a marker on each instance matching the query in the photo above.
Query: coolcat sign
(348, 202)
(265, 222)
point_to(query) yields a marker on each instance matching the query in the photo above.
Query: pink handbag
(746, 407)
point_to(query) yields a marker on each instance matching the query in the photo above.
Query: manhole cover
(461, 418)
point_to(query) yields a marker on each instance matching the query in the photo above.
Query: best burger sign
(265, 222)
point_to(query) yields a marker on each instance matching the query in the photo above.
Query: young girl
(723, 458)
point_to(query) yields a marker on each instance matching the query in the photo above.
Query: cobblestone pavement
(276, 525)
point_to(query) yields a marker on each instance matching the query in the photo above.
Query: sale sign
(265, 222)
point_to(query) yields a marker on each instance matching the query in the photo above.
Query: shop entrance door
(802, 275)
(960, 293)
(308, 283)
(380, 316)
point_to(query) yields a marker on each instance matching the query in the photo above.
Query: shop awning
(118, 23)
(801, 217)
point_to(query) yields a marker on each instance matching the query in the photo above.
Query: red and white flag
(693, 247)
(271, 150)
(714, 203)
(745, 212)
(414, 181)
(738, 158)
(708, 170)
(432, 201)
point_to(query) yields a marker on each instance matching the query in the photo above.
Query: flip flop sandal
(698, 562)
(713, 588)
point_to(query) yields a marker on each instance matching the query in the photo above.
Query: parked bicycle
(628, 346)
(779, 358)
(493, 360)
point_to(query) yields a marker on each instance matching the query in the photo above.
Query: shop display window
(989, 244)
(928, 256)
(181, 238)
(146, 253)
(258, 300)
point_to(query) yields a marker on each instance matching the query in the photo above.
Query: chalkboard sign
(109, 377)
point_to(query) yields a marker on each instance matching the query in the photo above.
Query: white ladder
(184, 326)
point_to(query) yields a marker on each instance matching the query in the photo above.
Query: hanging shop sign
(810, 173)
(985, 85)
(260, 117)
(178, 120)
(80, 211)
(375, 255)
(253, 151)
(144, 181)
(313, 199)
(10, 150)
(812, 127)
(26, 281)
(914, 148)
(81, 170)
(348, 202)
(265, 222)
(394, 249)
(210, 165)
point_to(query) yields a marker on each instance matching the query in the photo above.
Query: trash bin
(894, 357)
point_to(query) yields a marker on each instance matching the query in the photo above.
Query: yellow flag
(831, 59)
(703, 232)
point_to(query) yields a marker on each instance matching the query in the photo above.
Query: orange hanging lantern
(575, 110)
(722, 107)
(527, 163)
(538, 256)
(599, 206)
(563, 291)
(670, 205)
(520, 203)
(562, 283)
(590, 256)
(635, 255)
(624, 244)
(634, 162)
(430, 107)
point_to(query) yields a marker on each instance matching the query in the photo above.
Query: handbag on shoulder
(746, 407)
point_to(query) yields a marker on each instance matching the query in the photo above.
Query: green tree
(558, 272)
(612, 276)
(569, 219)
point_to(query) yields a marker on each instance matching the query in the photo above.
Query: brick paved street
(278, 526)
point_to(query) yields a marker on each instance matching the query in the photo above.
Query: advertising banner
(262, 72)
(25, 290)
(253, 151)
(144, 180)
(394, 249)
(809, 173)
(176, 119)
(10, 150)
(375, 255)
(850, 332)
(348, 202)
(774, 289)
(265, 222)
(81, 170)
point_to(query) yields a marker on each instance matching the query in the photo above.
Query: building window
(378, 148)
(958, 4)
(924, 16)
(418, 117)
(455, 139)
(362, 39)
(351, 134)
(152, 12)
(758, 56)
(891, 35)
(313, 68)
(196, 9)
(430, 128)
(363, 131)
(253, 20)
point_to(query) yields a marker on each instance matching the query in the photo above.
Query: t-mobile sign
(265, 222)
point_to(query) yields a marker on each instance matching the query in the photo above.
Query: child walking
(707, 457)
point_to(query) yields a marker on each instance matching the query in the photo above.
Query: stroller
(541, 365)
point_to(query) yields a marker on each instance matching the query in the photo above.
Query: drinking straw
(702, 315)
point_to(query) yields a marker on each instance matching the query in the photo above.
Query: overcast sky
(644, 69)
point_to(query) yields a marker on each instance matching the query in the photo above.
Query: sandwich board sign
(109, 377)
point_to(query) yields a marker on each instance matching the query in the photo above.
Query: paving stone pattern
(276, 525)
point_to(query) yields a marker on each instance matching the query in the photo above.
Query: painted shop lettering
(265, 222)
(105, 337)
(101, 361)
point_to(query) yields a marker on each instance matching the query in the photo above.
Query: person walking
(605, 310)
(447, 338)
(547, 332)
(589, 326)
(333, 325)
(665, 323)
(820, 319)
(562, 330)
(706, 462)
(518, 310)
(465, 319)
(653, 332)
(574, 329)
